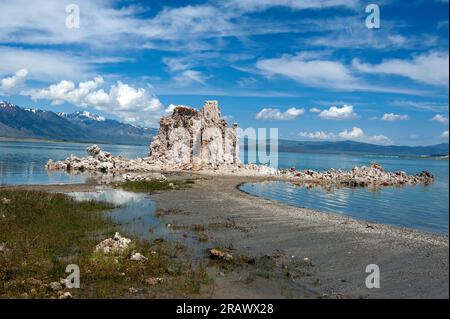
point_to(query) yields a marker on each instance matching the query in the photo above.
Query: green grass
(41, 233)
(155, 185)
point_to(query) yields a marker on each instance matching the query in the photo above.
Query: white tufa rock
(195, 139)
(132, 290)
(65, 283)
(116, 244)
(137, 257)
(219, 254)
(362, 176)
(66, 295)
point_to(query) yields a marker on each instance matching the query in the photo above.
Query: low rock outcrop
(66, 295)
(115, 245)
(137, 257)
(363, 176)
(101, 161)
(221, 255)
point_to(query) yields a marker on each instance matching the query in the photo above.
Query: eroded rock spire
(196, 138)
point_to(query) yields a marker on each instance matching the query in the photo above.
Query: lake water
(134, 211)
(421, 207)
(22, 163)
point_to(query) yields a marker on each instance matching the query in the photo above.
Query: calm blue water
(23, 162)
(421, 207)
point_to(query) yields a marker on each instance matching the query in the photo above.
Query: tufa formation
(192, 138)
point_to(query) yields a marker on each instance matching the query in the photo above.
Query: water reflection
(116, 197)
(411, 206)
(135, 211)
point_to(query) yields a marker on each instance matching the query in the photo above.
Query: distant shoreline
(41, 140)
(38, 140)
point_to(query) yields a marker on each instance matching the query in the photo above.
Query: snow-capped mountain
(79, 126)
(4, 105)
(31, 110)
(83, 115)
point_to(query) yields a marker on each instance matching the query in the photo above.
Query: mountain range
(82, 126)
(361, 148)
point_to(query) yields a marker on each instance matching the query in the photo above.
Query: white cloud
(313, 69)
(13, 83)
(444, 134)
(190, 76)
(246, 82)
(189, 28)
(318, 135)
(182, 70)
(342, 32)
(430, 68)
(105, 23)
(177, 64)
(338, 113)
(45, 65)
(101, 22)
(260, 5)
(355, 134)
(379, 139)
(440, 118)
(275, 114)
(133, 105)
(188, 22)
(321, 73)
(391, 117)
(66, 91)
(170, 108)
(427, 106)
(315, 110)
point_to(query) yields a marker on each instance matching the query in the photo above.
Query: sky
(312, 69)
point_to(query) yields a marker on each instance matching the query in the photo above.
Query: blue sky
(311, 68)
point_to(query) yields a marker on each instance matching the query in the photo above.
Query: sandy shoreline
(413, 264)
